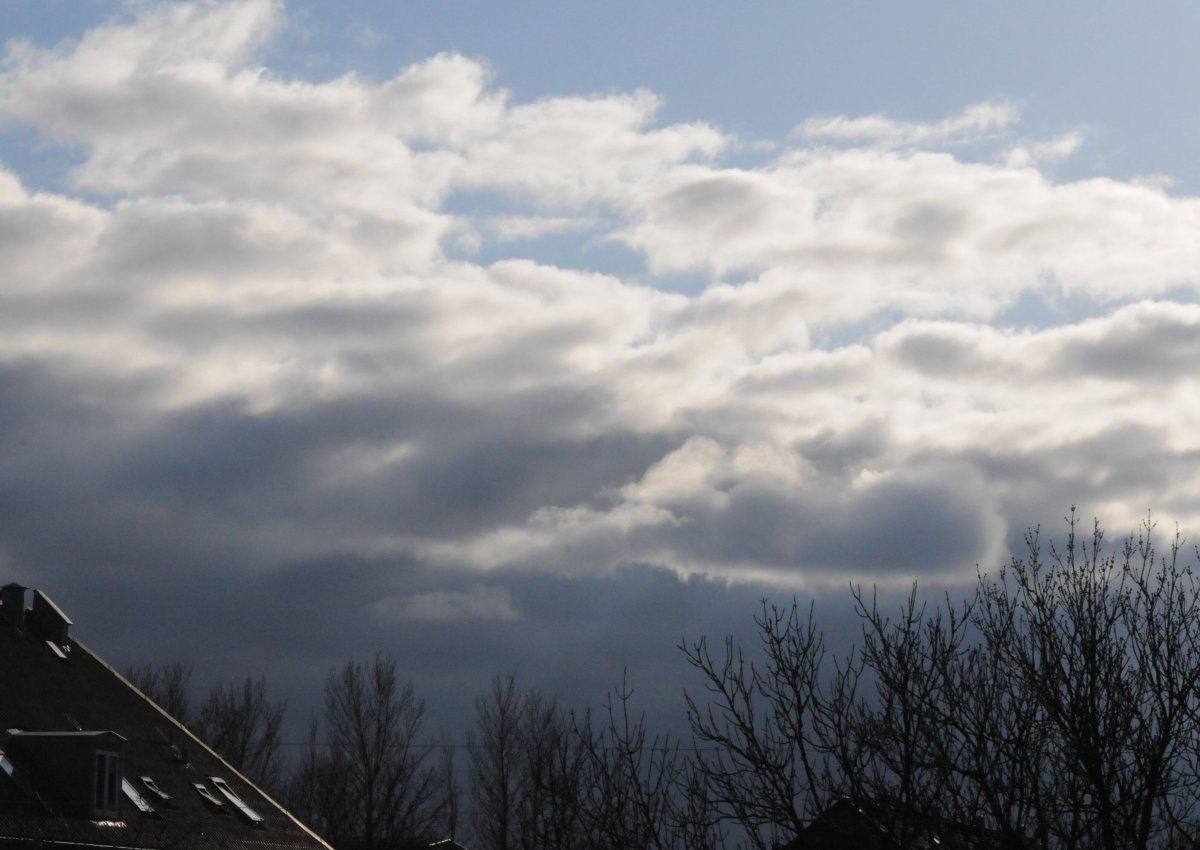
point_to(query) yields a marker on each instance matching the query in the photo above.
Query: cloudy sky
(538, 338)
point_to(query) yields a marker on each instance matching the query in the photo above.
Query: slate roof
(42, 692)
(858, 825)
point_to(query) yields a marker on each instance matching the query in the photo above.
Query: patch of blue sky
(42, 165)
(1036, 309)
(575, 239)
(756, 71)
(47, 22)
(585, 252)
(710, 63)
(45, 165)
(830, 337)
(1041, 308)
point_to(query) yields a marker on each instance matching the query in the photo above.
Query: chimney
(12, 604)
(47, 621)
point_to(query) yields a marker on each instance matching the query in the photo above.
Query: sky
(542, 337)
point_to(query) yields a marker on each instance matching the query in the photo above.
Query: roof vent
(12, 604)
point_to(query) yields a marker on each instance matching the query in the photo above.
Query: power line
(431, 746)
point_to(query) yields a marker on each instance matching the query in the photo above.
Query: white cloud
(44, 238)
(758, 512)
(271, 277)
(918, 232)
(570, 152)
(980, 121)
(1049, 151)
(117, 80)
(513, 228)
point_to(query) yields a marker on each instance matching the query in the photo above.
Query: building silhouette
(88, 761)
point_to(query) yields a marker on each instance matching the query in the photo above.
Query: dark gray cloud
(941, 352)
(1155, 343)
(264, 408)
(576, 639)
(833, 451)
(908, 526)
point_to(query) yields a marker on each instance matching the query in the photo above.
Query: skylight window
(136, 798)
(18, 777)
(247, 813)
(149, 784)
(55, 649)
(207, 795)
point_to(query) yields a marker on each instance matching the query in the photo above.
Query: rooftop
(55, 687)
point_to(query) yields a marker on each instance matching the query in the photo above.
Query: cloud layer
(276, 326)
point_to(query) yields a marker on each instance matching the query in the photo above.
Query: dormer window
(78, 773)
(108, 783)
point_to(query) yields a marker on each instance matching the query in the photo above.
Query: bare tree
(778, 732)
(1106, 645)
(169, 685)
(526, 771)
(373, 726)
(912, 765)
(451, 790)
(495, 749)
(242, 724)
(1060, 705)
(316, 790)
(631, 778)
(549, 813)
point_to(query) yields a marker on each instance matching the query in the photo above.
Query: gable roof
(78, 697)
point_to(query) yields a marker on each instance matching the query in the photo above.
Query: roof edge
(303, 826)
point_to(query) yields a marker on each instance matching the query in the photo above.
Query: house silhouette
(87, 760)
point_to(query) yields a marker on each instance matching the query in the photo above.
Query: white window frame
(107, 782)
